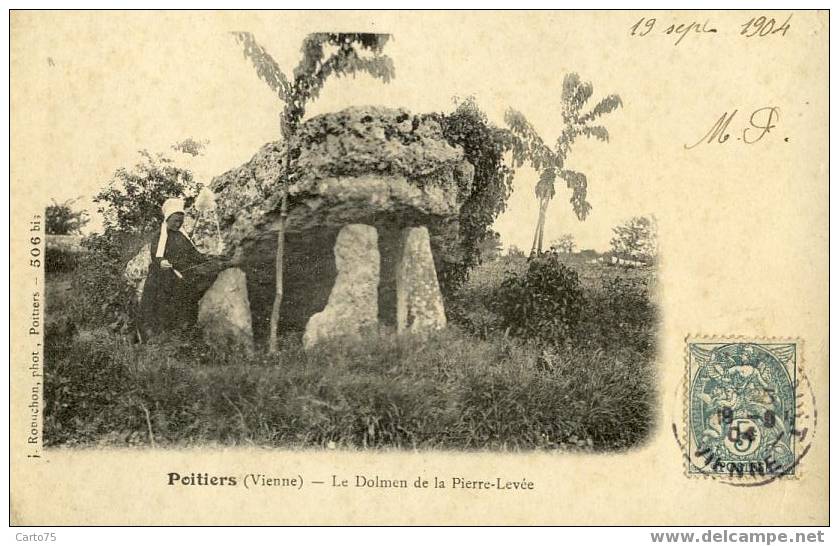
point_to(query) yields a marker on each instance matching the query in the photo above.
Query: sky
(107, 87)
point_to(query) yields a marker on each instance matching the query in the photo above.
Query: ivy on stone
(484, 146)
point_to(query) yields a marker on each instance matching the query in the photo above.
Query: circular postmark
(750, 414)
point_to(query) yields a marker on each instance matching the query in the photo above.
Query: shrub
(545, 303)
(103, 297)
(620, 314)
(470, 307)
(57, 260)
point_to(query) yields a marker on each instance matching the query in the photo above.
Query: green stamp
(742, 409)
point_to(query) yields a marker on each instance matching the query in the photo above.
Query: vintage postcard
(379, 267)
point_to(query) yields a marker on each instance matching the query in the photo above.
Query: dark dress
(170, 303)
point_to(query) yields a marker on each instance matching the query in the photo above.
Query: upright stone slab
(353, 304)
(419, 303)
(224, 312)
(137, 269)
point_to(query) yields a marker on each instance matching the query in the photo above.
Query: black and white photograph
(509, 252)
(347, 287)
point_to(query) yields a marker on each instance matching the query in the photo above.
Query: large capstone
(382, 167)
(224, 312)
(419, 303)
(352, 308)
(355, 163)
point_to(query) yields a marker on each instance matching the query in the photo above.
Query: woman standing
(173, 287)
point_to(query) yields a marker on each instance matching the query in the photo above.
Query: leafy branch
(528, 146)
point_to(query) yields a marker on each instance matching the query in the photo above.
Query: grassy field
(469, 387)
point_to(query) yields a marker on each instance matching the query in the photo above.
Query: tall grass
(472, 386)
(451, 391)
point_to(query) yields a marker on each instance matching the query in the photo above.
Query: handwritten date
(756, 27)
(764, 26)
(761, 122)
(681, 29)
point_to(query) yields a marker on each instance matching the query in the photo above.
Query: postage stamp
(745, 414)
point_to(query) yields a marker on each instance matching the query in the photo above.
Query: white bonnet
(171, 206)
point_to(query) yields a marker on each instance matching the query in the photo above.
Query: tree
(550, 163)
(515, 252)
(636, 239)
(564, 244)
(131, 200)
(61, 219)
(190, 146)
(491, 247)
(344, 57)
